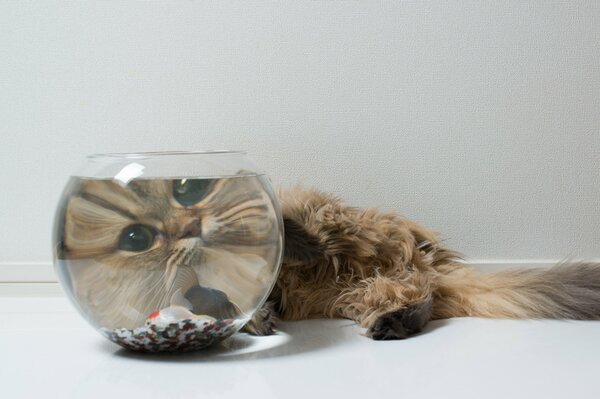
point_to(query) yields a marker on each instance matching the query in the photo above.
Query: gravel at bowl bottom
(180, 336)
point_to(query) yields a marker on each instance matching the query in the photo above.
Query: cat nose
(191, 230)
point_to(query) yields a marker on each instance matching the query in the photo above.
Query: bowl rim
(148, 154)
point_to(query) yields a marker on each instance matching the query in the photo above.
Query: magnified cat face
(136, 246)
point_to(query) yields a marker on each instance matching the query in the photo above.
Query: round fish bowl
(168, 251)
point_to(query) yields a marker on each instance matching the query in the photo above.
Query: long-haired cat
(392, 276)
(132, 249)
(385, 272)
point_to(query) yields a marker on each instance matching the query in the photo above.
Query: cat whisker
(175, 258)
(244, 219)
(247, 207)
(154, 284)
(239, 201)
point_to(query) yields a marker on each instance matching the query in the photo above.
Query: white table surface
(48, 351)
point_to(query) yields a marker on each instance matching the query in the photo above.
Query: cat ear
(300, 245)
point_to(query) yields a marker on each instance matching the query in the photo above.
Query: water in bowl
(168, 264)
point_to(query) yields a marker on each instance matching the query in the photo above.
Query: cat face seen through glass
(132, 249)
(187, 192)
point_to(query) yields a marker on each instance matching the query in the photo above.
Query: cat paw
(263, 322)
(401, 323)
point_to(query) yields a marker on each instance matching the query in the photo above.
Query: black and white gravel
(178, 336)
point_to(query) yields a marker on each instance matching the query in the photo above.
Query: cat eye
(137, 238)
(190, 191)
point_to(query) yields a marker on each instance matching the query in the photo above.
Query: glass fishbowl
(168, 251)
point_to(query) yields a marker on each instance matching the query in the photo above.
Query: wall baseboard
(27, 272)
(28, 279)
(19, 279)
(31, 290)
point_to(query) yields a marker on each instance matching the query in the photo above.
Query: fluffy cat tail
(566, 291)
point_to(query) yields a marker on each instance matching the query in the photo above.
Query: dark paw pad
(401, 323)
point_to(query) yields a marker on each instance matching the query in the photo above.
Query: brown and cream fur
(379, 269)
(392, 276)
(226, 241)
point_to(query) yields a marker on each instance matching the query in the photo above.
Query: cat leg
(401, 323)
(390, 308)
(263, 322)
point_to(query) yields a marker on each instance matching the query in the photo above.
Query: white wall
(479, 120)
